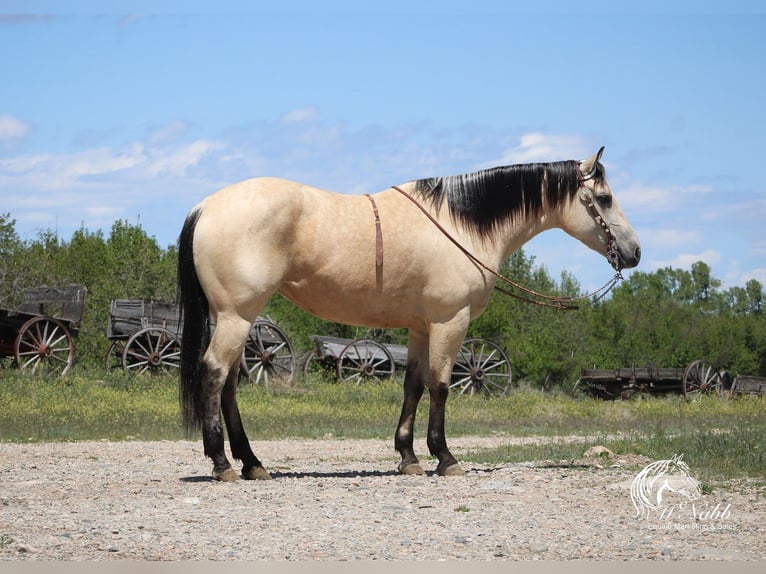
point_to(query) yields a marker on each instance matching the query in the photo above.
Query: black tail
(196, 327)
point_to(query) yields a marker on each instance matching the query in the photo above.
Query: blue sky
(137, 110)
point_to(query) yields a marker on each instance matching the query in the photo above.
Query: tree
(9, 257)
(755, 296)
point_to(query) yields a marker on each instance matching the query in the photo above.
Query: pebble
(335, 499)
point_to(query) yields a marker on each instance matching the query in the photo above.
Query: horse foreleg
(252, 468)
(437, 440)
(445, 341)
(417, 364)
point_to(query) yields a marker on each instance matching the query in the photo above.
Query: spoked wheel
(153, 350)
(481, 366)
(364, 359)
(699, 377)
(268, 354)
(580, 389)
(44, 346)
(113, 358)
(314, 365)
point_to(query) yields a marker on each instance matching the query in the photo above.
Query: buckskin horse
(420, 256)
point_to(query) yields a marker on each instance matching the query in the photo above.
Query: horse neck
(515, 234)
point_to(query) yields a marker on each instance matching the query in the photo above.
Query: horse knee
(438, 392)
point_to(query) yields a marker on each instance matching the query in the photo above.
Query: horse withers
(419, 256)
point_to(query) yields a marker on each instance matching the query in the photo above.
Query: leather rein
(561, 303)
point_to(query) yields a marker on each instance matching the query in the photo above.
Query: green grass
(725, 437)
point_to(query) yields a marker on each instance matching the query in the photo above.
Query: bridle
(586, 194)
(532, 296)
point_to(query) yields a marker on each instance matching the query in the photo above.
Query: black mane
(486, 199)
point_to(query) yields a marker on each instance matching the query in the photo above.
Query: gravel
(342, 500)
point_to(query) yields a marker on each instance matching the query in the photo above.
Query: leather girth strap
(378, 234)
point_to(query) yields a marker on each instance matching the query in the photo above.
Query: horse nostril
(637, 254)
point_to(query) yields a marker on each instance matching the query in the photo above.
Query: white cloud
(95, 167)
(300, 115)
(662, 237)
(171, 132)
(177, 162)
(653, 198)
(685, 260)
(539, 147)
(757, 274)
(12, 128)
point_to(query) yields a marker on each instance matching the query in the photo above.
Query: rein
(556, 302)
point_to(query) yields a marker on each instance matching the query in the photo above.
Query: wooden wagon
(697, 377)
(146, 337)
(39, 334)
(481, 366)
(748, 385)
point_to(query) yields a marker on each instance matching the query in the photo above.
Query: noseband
(586, 194)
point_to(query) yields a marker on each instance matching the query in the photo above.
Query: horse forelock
(484, 200)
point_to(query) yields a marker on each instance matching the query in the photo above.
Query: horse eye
(604, 200)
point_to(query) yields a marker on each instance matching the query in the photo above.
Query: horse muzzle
(623, 258)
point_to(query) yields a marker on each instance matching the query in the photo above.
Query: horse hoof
(257, 473)
(452, 470)
(413, 468)
(227, 475)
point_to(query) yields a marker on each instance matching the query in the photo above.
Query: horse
(656, 480)
(421, 255)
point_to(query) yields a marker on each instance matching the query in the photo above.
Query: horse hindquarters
(210, 368)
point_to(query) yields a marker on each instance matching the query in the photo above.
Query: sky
(137, 110)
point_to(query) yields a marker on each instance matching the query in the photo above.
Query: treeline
(665, 318)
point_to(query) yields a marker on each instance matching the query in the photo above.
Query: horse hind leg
(221, 359)
(252, 468)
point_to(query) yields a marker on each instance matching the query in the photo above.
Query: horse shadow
(350, 474)
(277, 475)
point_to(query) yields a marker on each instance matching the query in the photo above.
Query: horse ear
(588, 165)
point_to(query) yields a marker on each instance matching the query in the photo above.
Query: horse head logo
(658, 481)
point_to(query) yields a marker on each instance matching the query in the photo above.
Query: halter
(535, 298)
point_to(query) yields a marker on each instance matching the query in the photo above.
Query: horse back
(318, 248)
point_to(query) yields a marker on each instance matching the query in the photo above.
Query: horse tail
(194, 312)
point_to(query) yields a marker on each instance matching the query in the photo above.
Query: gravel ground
(343, 500)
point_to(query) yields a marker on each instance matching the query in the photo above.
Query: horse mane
(486, 199)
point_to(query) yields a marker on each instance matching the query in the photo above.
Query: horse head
(594, 217)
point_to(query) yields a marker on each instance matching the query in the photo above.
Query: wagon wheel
(44, 345)
(268, 354)
(580, 389)
(310, 363)
(313, 365)
(699, 377)
(113, 358)
(364, 359)
(153, 350)
(481, 366)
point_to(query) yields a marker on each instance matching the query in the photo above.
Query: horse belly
(353, 306)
